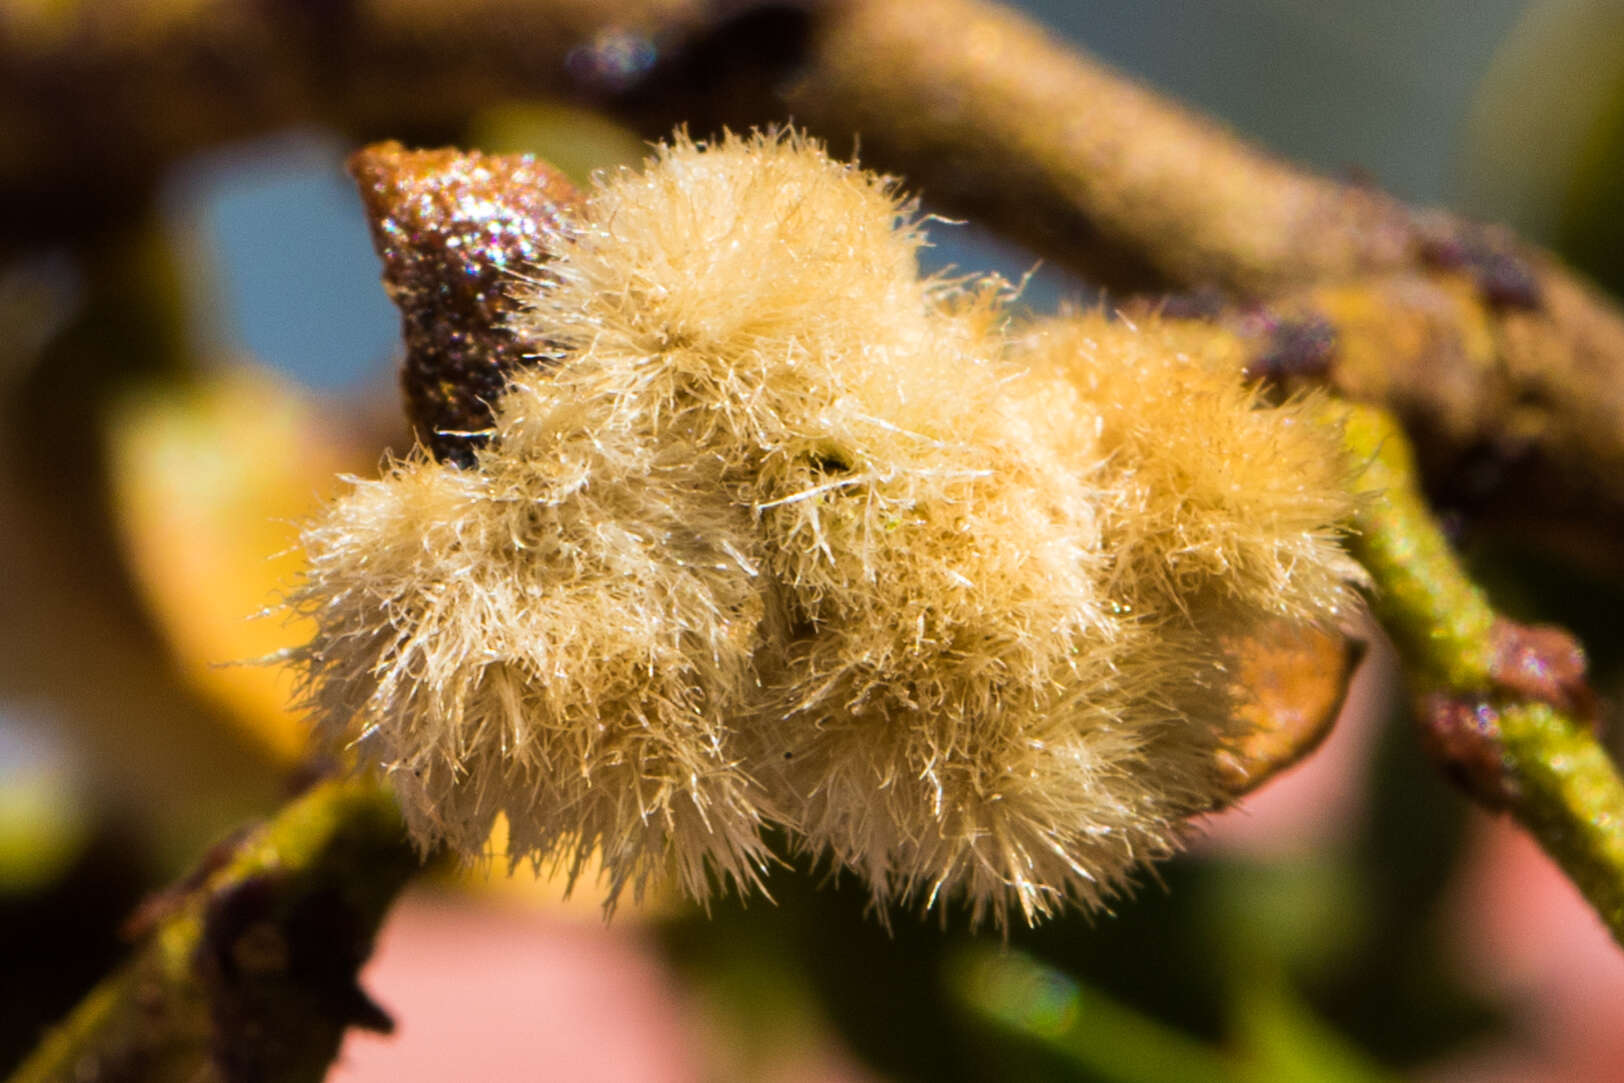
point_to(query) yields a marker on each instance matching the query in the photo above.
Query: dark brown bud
(1545, 663)
(455, 231)
(1291, 347)
(1462, 735)
(1503, 274)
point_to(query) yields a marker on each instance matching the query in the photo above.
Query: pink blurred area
(497, 991)
(482, 991)
(1523, 934)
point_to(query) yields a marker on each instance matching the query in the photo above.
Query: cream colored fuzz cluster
(782, 534)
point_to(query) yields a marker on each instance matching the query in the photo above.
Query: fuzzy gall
(774, 537)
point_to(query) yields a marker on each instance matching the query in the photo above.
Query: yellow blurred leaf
(209, 482)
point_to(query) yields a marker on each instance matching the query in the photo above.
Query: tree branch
(1503, 707)
(247, 968)
(980, 107)
(1516, 409)
(974, 104)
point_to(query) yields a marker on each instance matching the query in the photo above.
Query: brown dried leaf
(1289, 684)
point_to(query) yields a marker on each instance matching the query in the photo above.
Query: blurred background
(1356, 920)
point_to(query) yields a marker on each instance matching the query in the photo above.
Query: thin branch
(975, 105)
(247, 969)
(970, 101)
(979, 106)
(1504, 707)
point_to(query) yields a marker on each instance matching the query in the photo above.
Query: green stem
(1561, 784)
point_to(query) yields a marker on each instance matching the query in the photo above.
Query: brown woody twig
(971, 102)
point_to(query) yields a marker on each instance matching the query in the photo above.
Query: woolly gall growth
(786, 534)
